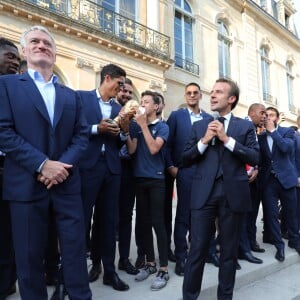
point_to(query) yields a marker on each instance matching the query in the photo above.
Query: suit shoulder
(10, 77)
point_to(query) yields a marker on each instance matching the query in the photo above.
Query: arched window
(223, 49)
(265, 73)
(289, 81)
(183, 34)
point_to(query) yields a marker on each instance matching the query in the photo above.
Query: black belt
(2, 161)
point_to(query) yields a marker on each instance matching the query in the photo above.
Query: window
(265, 73)
(274, 9)
(290, 79)
(286, 20)
(223, 50)
(126, 8)
(183, 34)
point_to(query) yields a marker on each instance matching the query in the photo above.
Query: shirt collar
(191, 113)
(228, 116)
(154, 122)
(36, 76)
(100, 98)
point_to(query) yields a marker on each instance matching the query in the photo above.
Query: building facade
(165, 44)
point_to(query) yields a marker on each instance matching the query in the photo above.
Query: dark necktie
(220, 148)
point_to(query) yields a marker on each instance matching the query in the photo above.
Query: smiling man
(43, 133)
(219, 149)
(101, 173)
(9, 63)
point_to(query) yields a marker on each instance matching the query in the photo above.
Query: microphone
(215, 116)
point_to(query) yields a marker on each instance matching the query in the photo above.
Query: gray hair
(36, 28)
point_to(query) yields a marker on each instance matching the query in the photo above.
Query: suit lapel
(96, 105)
(59, 103)
(187, 118)
(34, 95)
(232, 126)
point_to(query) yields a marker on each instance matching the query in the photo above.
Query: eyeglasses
(192, 93)
(121, 83)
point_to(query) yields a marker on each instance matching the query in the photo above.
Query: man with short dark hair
(180, 124)
(220, 149)
(278, 179)
(100, 171)
(9, 62)
(127, 194)
(148, 135)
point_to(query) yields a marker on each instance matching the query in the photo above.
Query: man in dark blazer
(220, 187)
(100, 171)
(43, 133)
(180, 125)
(278, 179)
(9, 63)
(297, 158)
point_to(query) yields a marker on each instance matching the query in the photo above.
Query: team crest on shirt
(153, 131)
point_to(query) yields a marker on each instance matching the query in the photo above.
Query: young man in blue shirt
(148, 135)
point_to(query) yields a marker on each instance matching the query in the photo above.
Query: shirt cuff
(39, 169)
(201, 147)
(95, 129)
(230, 144)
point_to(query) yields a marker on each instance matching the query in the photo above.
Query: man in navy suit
(180, 124)
(43, 133)
(9, 63)
(297, 157)
(220, 149)
(278, 179)
(100, 171)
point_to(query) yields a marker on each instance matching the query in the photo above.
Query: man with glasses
(101, 173)
(180, 125)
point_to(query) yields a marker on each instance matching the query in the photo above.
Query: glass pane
(187, 7)
(127, 8)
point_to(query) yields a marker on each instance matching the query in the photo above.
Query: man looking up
(40, 170)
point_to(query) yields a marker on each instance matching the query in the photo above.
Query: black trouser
(150, 201)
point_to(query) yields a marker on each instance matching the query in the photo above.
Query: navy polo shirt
(146, 164)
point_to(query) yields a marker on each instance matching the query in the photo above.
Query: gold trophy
(127, 113)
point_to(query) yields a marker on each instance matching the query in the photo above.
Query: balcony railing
(269, 99)
(112, 24)
(186, 65)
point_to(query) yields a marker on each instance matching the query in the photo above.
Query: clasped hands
(53, 173)
(215, 129)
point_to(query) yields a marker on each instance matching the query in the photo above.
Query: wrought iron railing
(186, 65)
(109, 22)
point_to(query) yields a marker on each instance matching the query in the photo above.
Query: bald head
(257, 113)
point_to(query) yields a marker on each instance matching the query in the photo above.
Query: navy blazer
(236, 185)
(180, 126)
(28, 137)
(112, 144)
(297, 152)
(281, 160)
